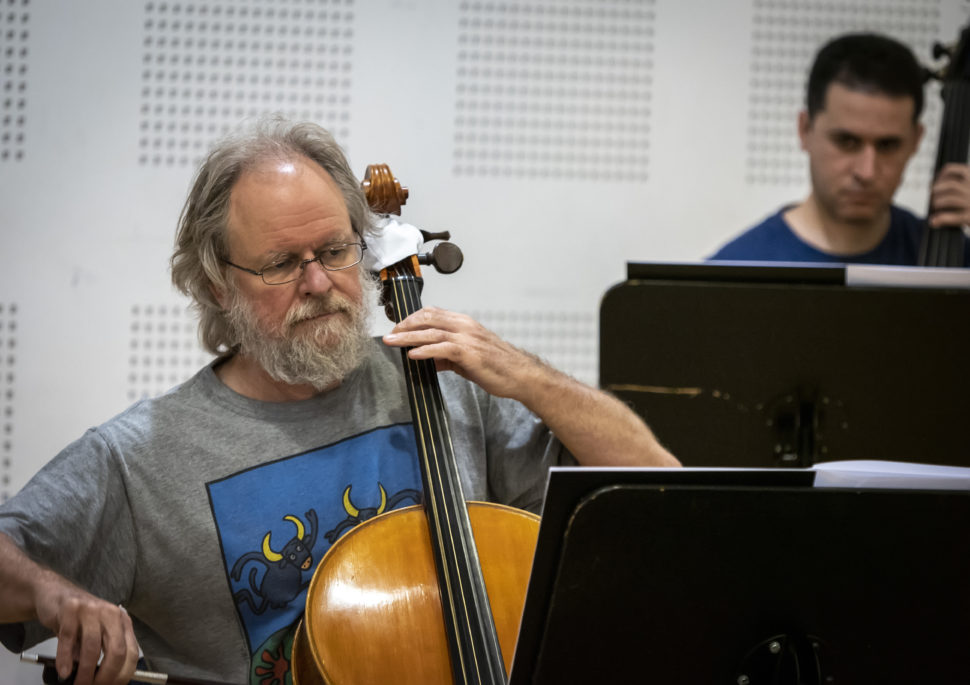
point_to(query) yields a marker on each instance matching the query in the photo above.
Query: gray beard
(316, 353)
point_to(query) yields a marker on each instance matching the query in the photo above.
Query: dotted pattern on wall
(164, 349)
(8, 360)
(786, 36)
(14, 34)
(568, 341)
(557, 90)
(209, 65)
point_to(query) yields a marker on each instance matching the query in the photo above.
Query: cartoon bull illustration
(356, 515)
(283, 576)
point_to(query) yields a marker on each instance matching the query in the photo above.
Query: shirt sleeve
(74, 518)
(521, 448)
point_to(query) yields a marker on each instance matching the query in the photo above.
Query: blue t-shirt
(773, 240)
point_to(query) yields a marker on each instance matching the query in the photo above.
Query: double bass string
(957, 152)
(943, 246)
(948, 151)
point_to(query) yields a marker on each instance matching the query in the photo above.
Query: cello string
(440, 515)
(462, 555)
(464, 550)
(431, 498)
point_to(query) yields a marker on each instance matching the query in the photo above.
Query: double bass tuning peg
(941, 50)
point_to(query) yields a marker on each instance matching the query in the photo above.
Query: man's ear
(220, 295)
(804, 128)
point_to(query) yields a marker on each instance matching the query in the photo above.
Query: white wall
(614, 130)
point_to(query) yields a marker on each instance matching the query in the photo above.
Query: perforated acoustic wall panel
(785, 37)
(556, 140)
(8, 361)
(556, 90)
(207, 66)
(15, 33)
(165, 349)
(567, 340)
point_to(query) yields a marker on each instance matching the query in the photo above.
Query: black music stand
(784, 365)
(744, 576)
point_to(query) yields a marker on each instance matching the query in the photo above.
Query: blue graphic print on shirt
(278, 519)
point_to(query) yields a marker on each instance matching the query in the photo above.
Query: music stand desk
(706, 575)
(788, 365)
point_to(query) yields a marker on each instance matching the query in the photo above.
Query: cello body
(374, 611)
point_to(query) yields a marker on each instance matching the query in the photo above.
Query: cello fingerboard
(476, 656)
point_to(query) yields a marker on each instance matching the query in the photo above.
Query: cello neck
(476, 656)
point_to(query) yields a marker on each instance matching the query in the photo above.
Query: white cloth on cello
(390, 243)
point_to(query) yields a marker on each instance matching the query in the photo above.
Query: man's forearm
(19, 576)
(596, 427)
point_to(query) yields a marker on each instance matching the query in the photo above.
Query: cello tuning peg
(429, 236)
(446, 258)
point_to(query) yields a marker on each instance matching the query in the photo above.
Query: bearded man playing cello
(150, 531)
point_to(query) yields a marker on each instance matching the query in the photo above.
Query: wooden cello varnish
(401, 598)
(373, 608)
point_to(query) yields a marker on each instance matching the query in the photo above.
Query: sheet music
(906, 276)
(890, 474)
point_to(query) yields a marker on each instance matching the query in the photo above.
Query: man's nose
(315, 279)
(865, 163)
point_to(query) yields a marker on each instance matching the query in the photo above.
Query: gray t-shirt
(205, 513)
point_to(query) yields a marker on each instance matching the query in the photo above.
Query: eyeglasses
(332, 258)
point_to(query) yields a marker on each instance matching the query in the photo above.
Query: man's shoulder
(769, 226)
(189, 408)
(769, 240)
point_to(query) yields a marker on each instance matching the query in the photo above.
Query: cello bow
(140, 676)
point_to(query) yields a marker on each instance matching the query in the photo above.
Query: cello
(943, 246)
(431, 593)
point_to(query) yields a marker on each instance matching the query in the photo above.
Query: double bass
(426, 594)
(943, 246)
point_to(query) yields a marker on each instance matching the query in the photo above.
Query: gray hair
(201, 242)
